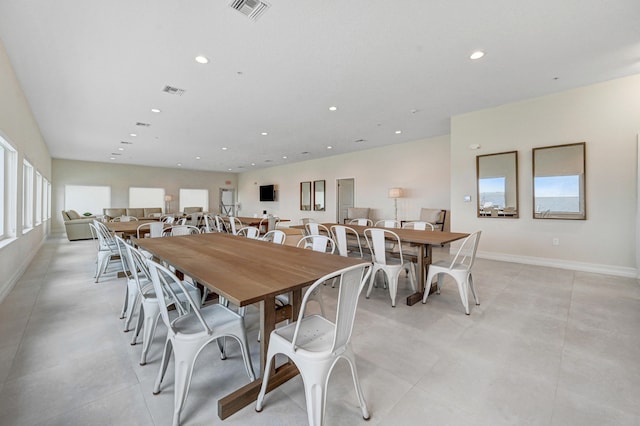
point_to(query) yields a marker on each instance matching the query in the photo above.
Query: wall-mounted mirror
(305, 195)
(559, 182)
(318, 195)
(497, 178)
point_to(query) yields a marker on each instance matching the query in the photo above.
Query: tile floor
(545, 347)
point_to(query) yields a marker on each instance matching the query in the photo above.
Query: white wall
(421, 168)
(120, 177)
(607, 117)
(19, 128)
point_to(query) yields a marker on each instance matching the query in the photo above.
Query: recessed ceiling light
(202, 59)
(477, 54)
(329, 147)
(224, 148)
(284, 157)
(253, 164)
(197, 158)
(156, 110)
(264, 133)
(133, 134)
(179, 164)
(112, 158)
(120, 149)
(229, 169)
(333, 108)
(398, 132)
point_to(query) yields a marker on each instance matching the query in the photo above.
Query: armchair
(76, 225)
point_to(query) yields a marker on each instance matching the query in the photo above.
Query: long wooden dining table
(422, 240)
(129, 227)
(247, 271)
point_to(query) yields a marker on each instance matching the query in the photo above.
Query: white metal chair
(321, 243)
(234, 224)
(181, 230)
(147, 300)
(107, 248)
(315, 343)
(155, 229)
(124, 218)
(131, 293)
(418, 226)
(377, 240)
(276, 236)
(313, 228)
(249, 232)
(361, 222)
(347, 241)
(209, 224)
(459, 269)
(306, 220)
(168, 219)
(188, 334)
(388, 223)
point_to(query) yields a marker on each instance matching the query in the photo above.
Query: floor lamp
(395, 193)
(167, 203)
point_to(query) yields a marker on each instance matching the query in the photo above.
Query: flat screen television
(267, 193)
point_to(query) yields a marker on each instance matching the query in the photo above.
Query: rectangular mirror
(559, 182)
(318, 195)
(497, 178)
(305, 196)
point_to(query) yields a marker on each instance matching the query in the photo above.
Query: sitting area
(140, 213)
(77, 225)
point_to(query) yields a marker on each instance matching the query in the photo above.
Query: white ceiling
(92, 69)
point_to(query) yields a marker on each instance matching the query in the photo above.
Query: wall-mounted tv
(267, 193)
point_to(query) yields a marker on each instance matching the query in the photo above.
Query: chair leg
(265, 381)
(350, 357)
(473, 290)
(315, 391)
(427, 286)
(149, 330)
(184, 358)
(126, 303)
(137, 302)
(166, 355)
(371, 281)
(463, 294)
(139, 322)
(393, 286)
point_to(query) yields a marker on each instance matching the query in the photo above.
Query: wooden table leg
(424, 251)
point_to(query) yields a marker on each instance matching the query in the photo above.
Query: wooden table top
(255, 220)
(409, 235)
(127, 227)
(243, 270)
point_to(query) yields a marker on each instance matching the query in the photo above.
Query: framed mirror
(559, 182)
(497, 180)
(305, 196)
(318, 195)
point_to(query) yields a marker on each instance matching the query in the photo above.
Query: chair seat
(315, 336)
(216, 316)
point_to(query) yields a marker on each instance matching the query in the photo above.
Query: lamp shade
(168, 197)
(395, 192)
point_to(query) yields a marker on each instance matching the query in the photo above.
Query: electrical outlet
(555, 241)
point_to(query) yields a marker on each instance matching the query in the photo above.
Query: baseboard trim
(619, 271)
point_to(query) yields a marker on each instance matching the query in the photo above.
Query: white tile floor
(546, 346)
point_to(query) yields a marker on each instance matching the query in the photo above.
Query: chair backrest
(306, 220)
(276, 236)
(220, 225)
(209, 224)
(155, 229)
(234, 224)
(124, 258)
(436, 217)
(182, 230)
(249, 232)
(320, 243)
(166, 283)
(105, 238)
(418, 226)
(138, 269)
(466, 254)
(356, 212)
(361, 222)
(168, 219)
(341, 235)
(388, 223)
(313, 228)
(377, 240)
(181, 221)
(352, 280)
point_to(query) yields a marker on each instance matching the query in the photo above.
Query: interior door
(227, 202)
(346, 198)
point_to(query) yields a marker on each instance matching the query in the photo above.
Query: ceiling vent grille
(126, 143)
(173, 90)
(250, 8)
(142, 124)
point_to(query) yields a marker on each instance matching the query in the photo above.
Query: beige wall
(421, 168)
(607, 117)
(19, 128)
(120, 177)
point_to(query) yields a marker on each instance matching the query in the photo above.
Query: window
(27, 195)
(38, 198)
(46, 202)
(492, 192)
(87, 199)
(146, 197)
(194, 198)
(8, 189)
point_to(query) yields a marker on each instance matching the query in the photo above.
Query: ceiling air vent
(142, 124)
(250, 8)
(126, 143)
(173, 90)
